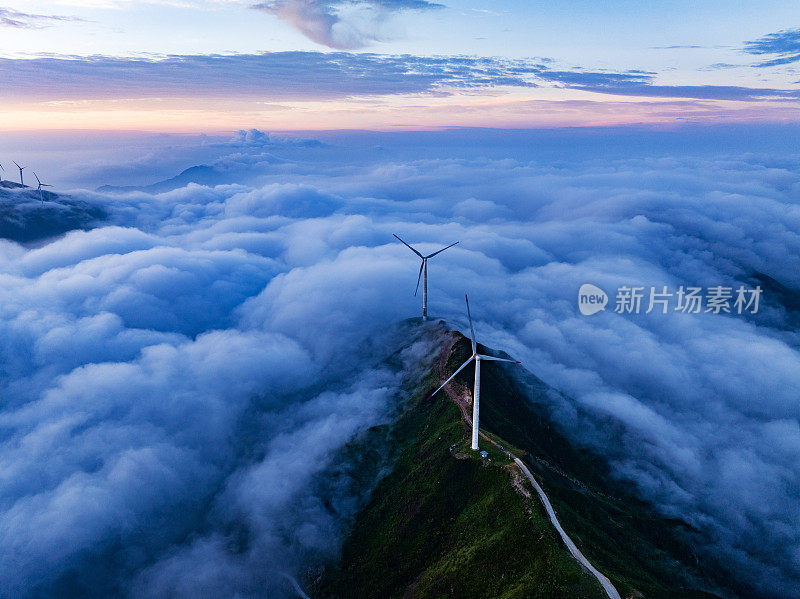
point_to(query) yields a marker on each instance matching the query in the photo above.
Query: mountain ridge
(436, 546)
(28, 215)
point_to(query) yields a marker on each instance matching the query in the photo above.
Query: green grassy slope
(642, 553)
(445, 523)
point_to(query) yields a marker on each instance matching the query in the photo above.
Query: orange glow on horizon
(513, 109)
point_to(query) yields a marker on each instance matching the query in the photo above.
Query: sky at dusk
(217, 65)
(229, 175)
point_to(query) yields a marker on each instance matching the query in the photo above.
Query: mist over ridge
(175, 378)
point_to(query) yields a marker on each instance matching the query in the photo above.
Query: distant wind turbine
(423, 269)
(1, 170)
(39, 189)
(21, 168)
(476, 393)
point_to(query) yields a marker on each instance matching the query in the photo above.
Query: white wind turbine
(2, 170)
(21, 168)
(39, 189)
(476, 393)
(423, 269)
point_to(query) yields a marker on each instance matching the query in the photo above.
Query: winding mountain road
(461, 401)
(573, 549)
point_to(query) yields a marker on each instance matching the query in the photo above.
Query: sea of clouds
(177, 382)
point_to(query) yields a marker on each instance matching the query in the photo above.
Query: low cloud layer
(176, 383)
(340, 24)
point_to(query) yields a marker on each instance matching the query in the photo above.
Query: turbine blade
(471, 330)
(482, 357)
(419, 278)
(15, 162)
(452, 376)
(443, 249)
(37, 178)
(409, 247)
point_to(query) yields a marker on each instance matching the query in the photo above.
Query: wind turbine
(21, 168)
(423, 268)
(2, 170)
(39, 189)
(476, 393)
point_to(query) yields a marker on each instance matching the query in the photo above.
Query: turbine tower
(476, 393)
(39, 189)
(423, 274)
(21, 168)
